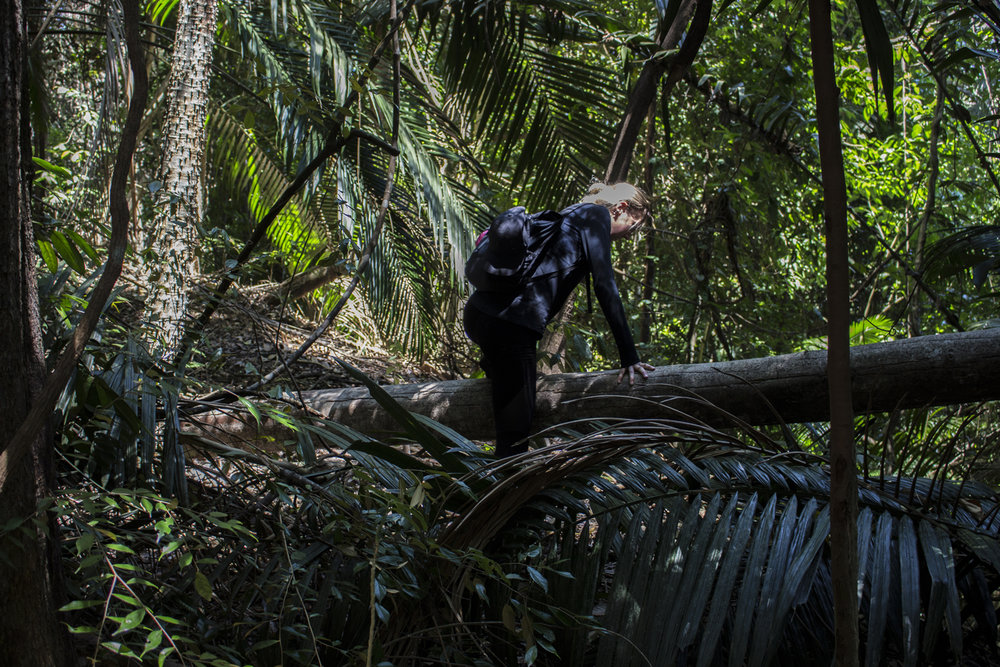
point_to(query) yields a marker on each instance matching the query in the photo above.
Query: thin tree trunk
(640, 101)
(690, 24)
(35, 422)
(173, 239)
(552, 346)
(648, 261)
(30, 633)
(843, 468)
(916, 312)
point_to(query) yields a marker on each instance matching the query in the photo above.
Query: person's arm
(595, 226)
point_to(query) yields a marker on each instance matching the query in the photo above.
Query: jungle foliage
(659, 541)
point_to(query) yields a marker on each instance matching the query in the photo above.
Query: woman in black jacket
(507, 326)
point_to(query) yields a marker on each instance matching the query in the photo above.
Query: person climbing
(507, 322)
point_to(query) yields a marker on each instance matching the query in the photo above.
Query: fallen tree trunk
(916, 372)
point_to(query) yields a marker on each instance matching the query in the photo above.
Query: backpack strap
(538, 241)
(590, 307)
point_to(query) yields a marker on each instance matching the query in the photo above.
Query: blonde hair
(609, 195)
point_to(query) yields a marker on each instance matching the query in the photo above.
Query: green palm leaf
(699, 570)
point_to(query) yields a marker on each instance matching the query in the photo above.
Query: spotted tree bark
(173, 239)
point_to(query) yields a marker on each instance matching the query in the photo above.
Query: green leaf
(82, 629)
(159, 11)
(84, 542)
(202, 586)
(82, 244)
(729, 570)
(81, 604)
(880, 578)
(167, 619)
(909, 587)
(123, 548)
(508, 618)
(537, 577)
(408, 422)
(163, 655)
(153, 641)
(89, 561)
(48, 254)
(703, 577)
(749, 590)
(131, 621)
(944, 598)
(51, 168)
(68, 251)
(128, 599)
(119, 649)
(481, 590)
(879, 49)
(251, 408)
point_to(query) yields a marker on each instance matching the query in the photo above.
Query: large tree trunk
(29, 630)
(932, 370)
(174, 231)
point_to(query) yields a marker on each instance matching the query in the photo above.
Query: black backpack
(509, 252)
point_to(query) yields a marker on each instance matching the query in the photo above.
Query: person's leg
(509, 359)
(514, 378)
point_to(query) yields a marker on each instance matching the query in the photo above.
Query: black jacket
(583, 245)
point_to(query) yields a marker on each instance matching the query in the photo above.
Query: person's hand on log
(638, 367)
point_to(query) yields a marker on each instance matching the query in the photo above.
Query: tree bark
(173, 239)
(30, 633)
(917, 372)
(915, 315)
(692, 31)
(649, 242)
(843, 461)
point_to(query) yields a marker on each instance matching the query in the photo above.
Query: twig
(149, 612)
(292, 584)
(372, 616)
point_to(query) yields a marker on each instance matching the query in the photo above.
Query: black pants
(509, 360)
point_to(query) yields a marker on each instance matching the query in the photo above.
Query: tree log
(916, 372)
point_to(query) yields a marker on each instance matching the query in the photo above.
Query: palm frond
(453, 228)
(976, 247)
(713, 553)
(538, 113)
(303, 88)
(249, 170)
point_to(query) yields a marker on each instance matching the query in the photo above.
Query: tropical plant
(688, 547)
(733, 168)
(660, 540)
(641, 542)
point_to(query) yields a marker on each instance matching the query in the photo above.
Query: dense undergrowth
(659, 541)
